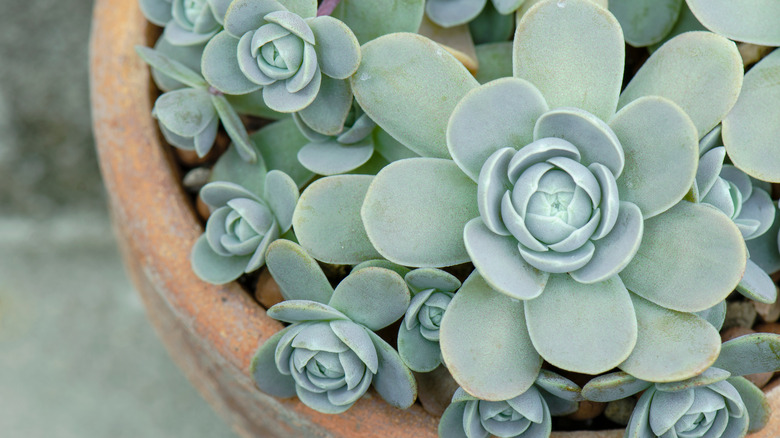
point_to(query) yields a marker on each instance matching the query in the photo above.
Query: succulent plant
(418, 337)
(448, 13)
(189, 117)
(186, 22)
(524, 416)
(744, 201)
(717, 402)
(284, 51)
(346, 150)
(330, 354)
(612, 203)
(241, 226)
(648, 22)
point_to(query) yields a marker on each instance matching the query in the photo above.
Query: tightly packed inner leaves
(547, 204)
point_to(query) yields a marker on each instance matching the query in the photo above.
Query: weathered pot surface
(211, 331)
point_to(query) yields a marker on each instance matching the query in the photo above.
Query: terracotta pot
(211, 331)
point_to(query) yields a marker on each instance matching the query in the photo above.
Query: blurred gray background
(77, 356)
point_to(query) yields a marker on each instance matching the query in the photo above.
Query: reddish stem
(327, 7)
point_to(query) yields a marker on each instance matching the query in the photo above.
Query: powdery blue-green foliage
(186, 22)
(284, 51)
(241, 227)
(743, 199)
(524, 416)
(448, 13)
(648, 22)
(564, 194)
(717, 402)
(330, 354)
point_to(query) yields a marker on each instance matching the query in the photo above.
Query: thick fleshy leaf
(278, 144)
(374, 297)
(615, 250)
(281, 194)
(593, 138)
(189, 56)
(757, 284)
(613, 386)
(660, 163)
(418, 353)
(558, 385)
(755, 401)
(217, 194)
(751, 22)
(764, 250)
(235, 129)
(699, 71)
(397, 75)
(265, 373)
(415, 211)
(586, 328)
(426, 278)
(298, 275)
(485, 343)
(357, 339)
(371, 19)
(667, 408)
(671, 346)
(448, 13)
(214, 268)
(327, 220)
(219, 66)
(338, 51)
(326, 115)
(491, 26)
(763, 349)
(687, 22)
(304, 310)
(170, 67)
(573, 39)
(393, 381)
(715, 315)
(495, 61)
(332, 158)
(451, 423)
(493, 116)
(645, 22)
(381, 263)
(707, 267)
(185, 112)
(156, 11)
(750, 132)
(243, 16)
(280, 99)
(252, 104)
(232, 168)
(499, 261)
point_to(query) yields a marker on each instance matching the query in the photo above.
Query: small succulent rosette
(338, 149)
(524, 416)
(418, 337)
(743, 199)
(241, 226)
(282, 48)
(650, 22)
(330, 354)
(186, 22)
(448, 13)
(716, 403)
(189, 117)
(564, 194)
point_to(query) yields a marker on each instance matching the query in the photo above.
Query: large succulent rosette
(284, 51)
(565, 194)
(330, 354)
(186, 22)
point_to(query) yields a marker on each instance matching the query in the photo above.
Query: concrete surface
(77, 356)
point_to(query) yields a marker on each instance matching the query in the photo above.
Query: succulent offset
(499, 206)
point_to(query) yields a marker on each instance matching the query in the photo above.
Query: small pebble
(267, 292)
(752, 53)
(196, 178)
(588, 410)
(734, 332)
(768, 327)
(620, 411)
(768, 312)
(189, 158)
(435, 390)
(739, 314)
